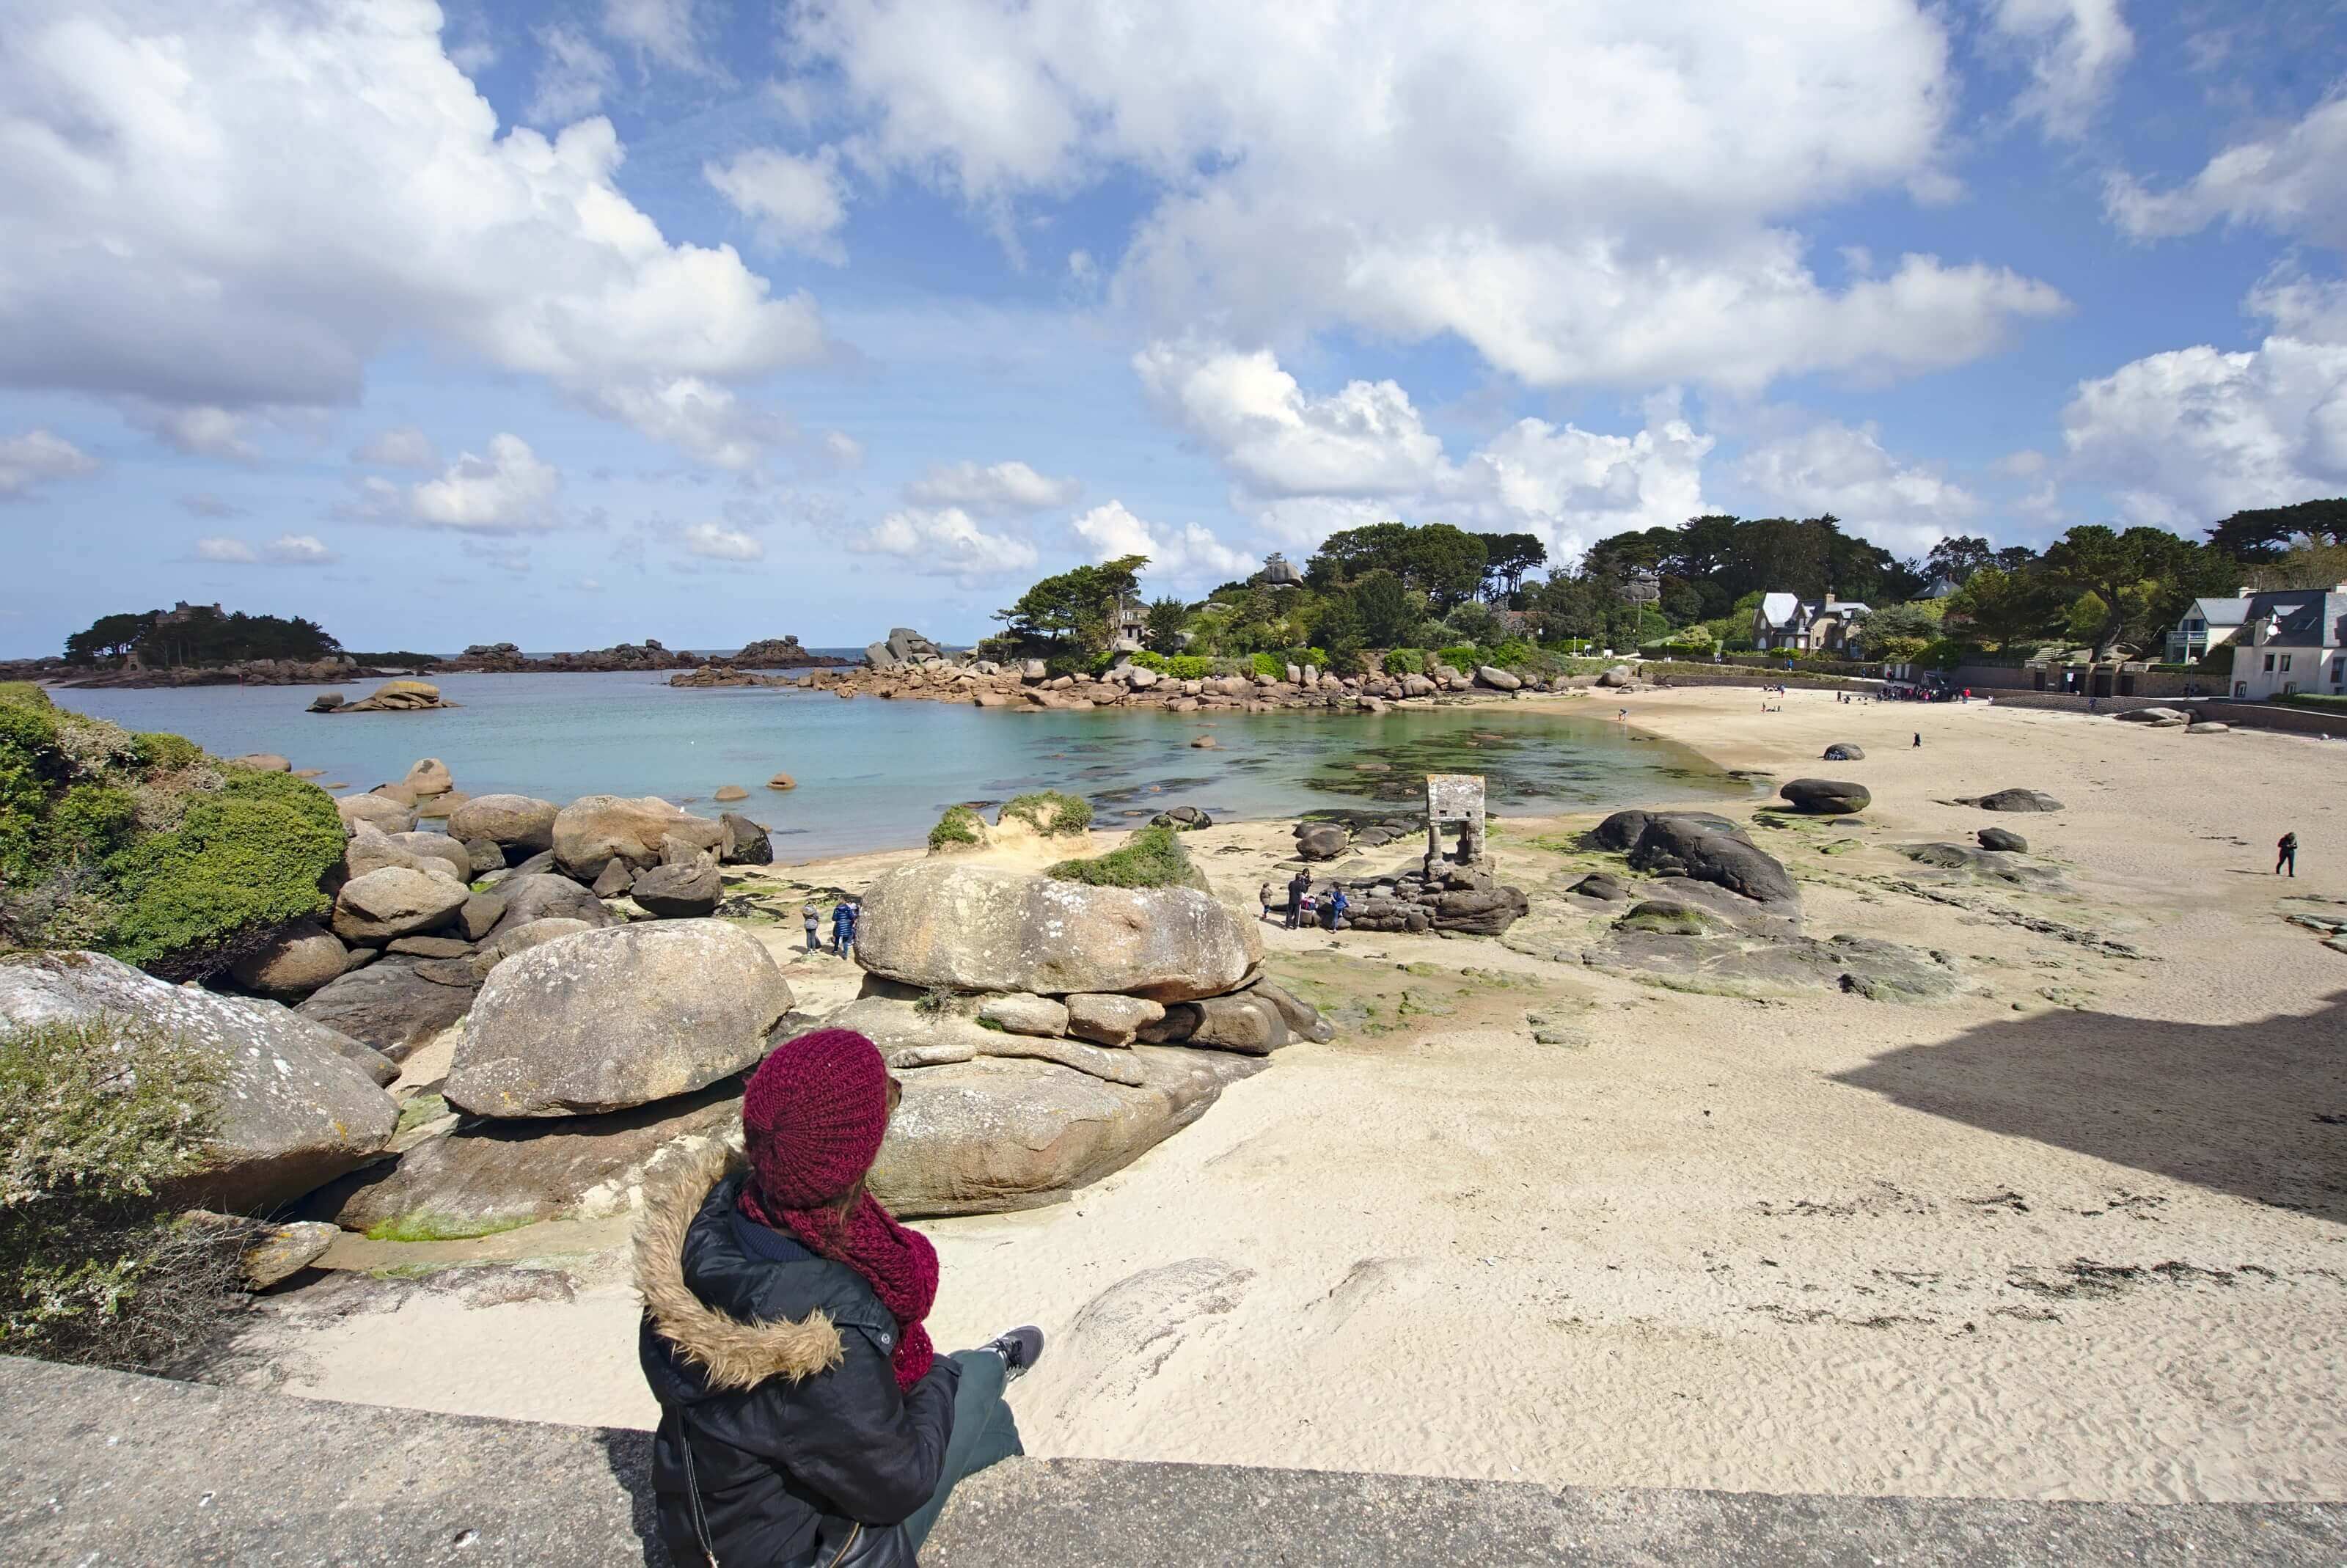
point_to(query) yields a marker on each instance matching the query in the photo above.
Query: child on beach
(2286, 855)
(805, 1415)
(815, 944)
(842, 928)
(1265, 893)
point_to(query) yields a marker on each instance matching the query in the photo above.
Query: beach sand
(2079, 1233)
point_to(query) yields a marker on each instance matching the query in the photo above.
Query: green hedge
(1154, 857)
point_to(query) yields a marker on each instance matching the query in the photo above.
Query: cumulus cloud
(38, 455)
(227, 551)
(510, 491)
(1844, 469)
(796, 204)
(1110, 530)
(945, 542)
(1307, 465)
(668, 31)
(201, 430)
(205, 504)
(1520, 174)
(712, 542)
(842, 451)
(573, 77)
(285, 549)
(2075, 48)
(198, 218)
(401, 446)
(701, 417)
(2288, 182)
(2193, 434)
(998, 487)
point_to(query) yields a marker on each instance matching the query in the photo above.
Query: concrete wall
(1991, 677)
(2274, 716)
(2065, 703)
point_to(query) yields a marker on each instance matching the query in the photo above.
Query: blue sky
(707, 320)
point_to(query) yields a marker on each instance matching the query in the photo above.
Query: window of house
(2285, 661)
(2269, 661)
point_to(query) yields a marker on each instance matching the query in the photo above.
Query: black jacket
(773, 1363)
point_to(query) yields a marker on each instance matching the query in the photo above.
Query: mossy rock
(1051, 812)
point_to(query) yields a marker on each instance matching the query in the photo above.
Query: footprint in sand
(1121, 1337)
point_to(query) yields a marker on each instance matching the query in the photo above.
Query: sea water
(876, 775)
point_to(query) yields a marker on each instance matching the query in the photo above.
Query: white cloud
(300, 549)
(947, 542)
(701, 417)
(841, 450)
(1308, 465)
(227, 551)
(664, 30)
(285, 549)
(205, 504)
(1591, 193)
(573, 77)
(715, 543)
(201, 430)
(2075, 48)
(797, 203)
(2194, 434)
(510, 491)
(401, 446)
(996, 489)
(238, 204)
(1845, 470)
(1110, 530)
(37, 456)
(2288, 182)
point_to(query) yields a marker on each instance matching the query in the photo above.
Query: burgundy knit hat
(813, 1116)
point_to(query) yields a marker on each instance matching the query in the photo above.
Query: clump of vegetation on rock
(96, 1119)
(1154, 857)
(959, 826)
(142, 846)
(1051, 812)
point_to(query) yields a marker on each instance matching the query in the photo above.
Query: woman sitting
(804, 1417)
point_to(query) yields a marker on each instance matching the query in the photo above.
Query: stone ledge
(104, 1467)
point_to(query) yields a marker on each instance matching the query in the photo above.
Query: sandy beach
(2080, 1231)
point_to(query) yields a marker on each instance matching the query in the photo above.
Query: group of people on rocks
(844, 915)
(1305, 907)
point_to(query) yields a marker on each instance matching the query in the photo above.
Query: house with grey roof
(2209, 623)
(1784, 622)
(2291, 641)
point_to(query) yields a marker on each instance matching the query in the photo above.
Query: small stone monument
(1454, 798)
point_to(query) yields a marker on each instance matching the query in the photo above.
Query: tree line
(195, 636)
(1394, 585)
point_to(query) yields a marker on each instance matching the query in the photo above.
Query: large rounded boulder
(298, 1104)
(947, 923)
(600, 1020)
(395, 902)
(544, 895)
(511, 822)
(1826, 797)
(1689, 845)
(595, 830)
(2013, 800)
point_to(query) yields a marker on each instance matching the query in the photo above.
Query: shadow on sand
(2255, 1109)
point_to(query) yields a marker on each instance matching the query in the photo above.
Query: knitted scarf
(899, 1264)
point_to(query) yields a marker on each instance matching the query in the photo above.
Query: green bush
(164, 753)
(244, 861)
(1405, 661)
(96, 1120)
(2319, 700)
(1271, 664)
(1464, 657)
(1157, 663)
(1154, 857)
(959, 825)
(1050, 813)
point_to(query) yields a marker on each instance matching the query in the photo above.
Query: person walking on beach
(1338, 904)
(1297, 887)
(2286, 856)
(1265, 894)
(814, 943)
(1919, 740)
(842, 928)
(805, 1415)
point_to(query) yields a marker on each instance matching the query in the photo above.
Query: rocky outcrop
(1826, 797)
(949, 924)
(505, 658)
(745, 842)
(991, 1134)
(602, 1020)
(297, 1107)
(381, 813)
(903, 646)
(393, 697)
(395, 902)
(679, 892)
(2013, 800)
(595, 830)
(784, 653)
(1695, 846)
(542, 896)
(1181, 819)
(394, 1004)
(2003, 839)
(520, 824)
(1845, 752)
(1321, 840)
(1111, 1019)
(1023, 1013)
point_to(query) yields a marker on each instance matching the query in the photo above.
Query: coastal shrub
(1051, 813)
(244, 861)
(959, 825)
(1189, 666)
(95, 1119)
(1154, 857)
(1406, 662)
(1270, 664)
(1157, 663)
(1465, 656)
(165, 753)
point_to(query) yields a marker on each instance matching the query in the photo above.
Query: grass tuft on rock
(96, 1121)
(422, 1225)
(959, 826)
(1051, 812)
(1154, 857)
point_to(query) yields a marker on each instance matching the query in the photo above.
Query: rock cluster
(782, 654)
(390, 697)
(903, 645)
(505, 658)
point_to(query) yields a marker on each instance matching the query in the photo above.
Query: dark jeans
(1294, 912)
(2289, 858)
(983, 1433)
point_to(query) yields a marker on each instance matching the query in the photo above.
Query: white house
(2290, 642)
(2209, 623)
(1781, 621)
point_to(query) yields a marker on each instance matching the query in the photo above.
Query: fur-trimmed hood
(730, 1352)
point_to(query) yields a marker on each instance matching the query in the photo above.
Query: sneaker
(1019, 1348)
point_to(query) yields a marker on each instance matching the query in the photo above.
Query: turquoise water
(875, 774)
